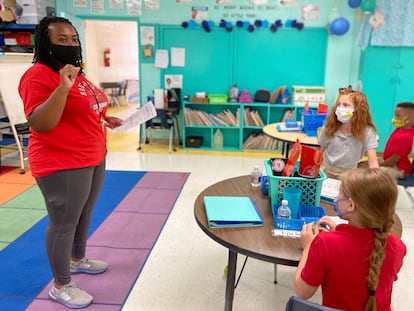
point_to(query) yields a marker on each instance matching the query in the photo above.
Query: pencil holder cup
(292, 195)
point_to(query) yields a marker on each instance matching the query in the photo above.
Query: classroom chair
(299, 304)
(16, 123)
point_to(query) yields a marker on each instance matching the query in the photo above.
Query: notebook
(231, 212)
(330, 190)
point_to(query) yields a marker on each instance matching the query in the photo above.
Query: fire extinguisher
(107, 57)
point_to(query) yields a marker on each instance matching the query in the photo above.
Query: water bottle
(233, 93)
(218, 139)
(256, 177)
(283, 212)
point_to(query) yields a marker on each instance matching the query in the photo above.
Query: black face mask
(67, 54)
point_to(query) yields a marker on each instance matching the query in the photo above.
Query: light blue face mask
(336, 209)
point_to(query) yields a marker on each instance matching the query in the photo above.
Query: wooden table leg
(231, 277)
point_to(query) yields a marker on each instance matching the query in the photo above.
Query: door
(380, 69)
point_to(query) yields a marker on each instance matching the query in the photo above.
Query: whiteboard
(10, 74)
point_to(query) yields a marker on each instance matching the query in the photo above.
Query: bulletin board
(216, 60)
(208, 58)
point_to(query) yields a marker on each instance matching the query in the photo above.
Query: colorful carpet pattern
(128, 218)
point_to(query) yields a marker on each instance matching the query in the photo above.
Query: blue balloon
(192, 23)
(339, 26)
(354, 3)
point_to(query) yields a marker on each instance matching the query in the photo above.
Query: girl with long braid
(356, 263)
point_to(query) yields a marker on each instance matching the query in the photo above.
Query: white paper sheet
(142, 115)
(178, 57)
(161, 59)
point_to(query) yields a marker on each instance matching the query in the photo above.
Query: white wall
(121, 38)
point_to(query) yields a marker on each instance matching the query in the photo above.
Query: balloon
(368, 5)
(192, 23)
(339, 26)
(354, 3)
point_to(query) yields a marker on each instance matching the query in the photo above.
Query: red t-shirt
(79, 139)
(400, 142)
(339, 262)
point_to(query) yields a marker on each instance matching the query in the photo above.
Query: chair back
(299, 304)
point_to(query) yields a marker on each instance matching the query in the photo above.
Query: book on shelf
(259, 119)
(231, 212)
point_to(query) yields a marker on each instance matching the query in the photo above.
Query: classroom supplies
(231, 212)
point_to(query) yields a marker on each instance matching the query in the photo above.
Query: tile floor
(185, 269)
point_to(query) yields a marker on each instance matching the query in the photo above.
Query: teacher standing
(67, 150)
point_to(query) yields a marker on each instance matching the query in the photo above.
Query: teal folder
(231, 212)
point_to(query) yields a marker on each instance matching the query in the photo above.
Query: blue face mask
(336, 209)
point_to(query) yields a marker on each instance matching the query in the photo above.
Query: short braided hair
(42, 51)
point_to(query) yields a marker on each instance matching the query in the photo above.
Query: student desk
(289, 137)
(255, 242)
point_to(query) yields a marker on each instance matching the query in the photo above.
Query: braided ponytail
(374, 193)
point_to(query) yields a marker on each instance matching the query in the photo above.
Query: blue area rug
(25, 274)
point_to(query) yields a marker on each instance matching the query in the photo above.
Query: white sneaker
(71, 296)
(86, 265)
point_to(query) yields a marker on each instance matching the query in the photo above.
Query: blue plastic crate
(307, 214)
(311, 213)
(288, 224)
(311, 121)
(265, 185)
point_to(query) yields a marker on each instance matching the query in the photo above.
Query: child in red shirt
(400, 143)
(357, 263)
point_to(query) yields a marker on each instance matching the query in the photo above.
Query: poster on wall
(199, 12)
(152, 4)
(134, 7)
(147, 35)
(310, 12)
(97, 7)
(177, 57)
(79, 3)
(161, 59)
(173, 81)
(116, 4)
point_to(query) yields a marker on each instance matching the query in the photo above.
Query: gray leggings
(70, 196)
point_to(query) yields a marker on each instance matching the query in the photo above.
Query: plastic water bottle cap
(284, 202)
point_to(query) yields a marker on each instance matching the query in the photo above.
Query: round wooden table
(255, 242)
(289, 137)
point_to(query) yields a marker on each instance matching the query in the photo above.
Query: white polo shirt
(345, 152)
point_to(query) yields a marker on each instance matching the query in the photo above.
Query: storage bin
(288, 224)
(194, 141)
(265, 185)
(311, 213)
(311, 121)
(307, 214)
(311, 187)
(217, 98)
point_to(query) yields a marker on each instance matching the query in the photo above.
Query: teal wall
(342, 53)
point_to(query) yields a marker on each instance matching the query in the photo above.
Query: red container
(310, 162)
